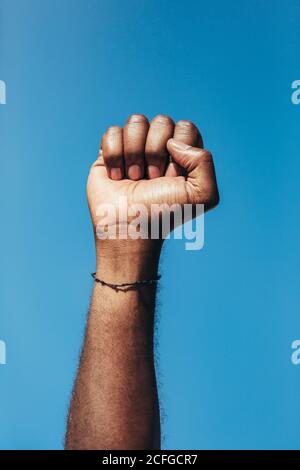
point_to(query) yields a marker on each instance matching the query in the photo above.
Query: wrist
(128, 260)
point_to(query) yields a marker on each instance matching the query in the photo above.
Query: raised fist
(152, 163)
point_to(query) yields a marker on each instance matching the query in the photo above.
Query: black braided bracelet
(127, 285)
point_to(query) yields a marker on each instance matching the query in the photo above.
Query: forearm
(115, 403)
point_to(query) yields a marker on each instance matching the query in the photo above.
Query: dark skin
(115, 404)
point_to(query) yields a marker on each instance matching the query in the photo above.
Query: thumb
(199, 166)
(186, 156)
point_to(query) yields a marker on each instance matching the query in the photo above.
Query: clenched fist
(152, 163)
(115, 402)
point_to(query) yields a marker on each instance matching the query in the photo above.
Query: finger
(156, 153)
(134, 138)
(199, 165)
(188, 133)
(191, 159)
(112, 152)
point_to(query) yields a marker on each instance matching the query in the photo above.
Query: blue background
(228, 313)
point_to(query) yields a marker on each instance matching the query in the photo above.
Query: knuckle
(163, 119)
(114, 130)
(132, 157)
(137, 119)
(186, 124)
(155, 156)
(112, 159)
(206, 155)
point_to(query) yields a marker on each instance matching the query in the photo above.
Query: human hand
(134, 165)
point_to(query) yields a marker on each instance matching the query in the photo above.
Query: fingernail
(116, 174)
(153, 171)
(134, 172)
(179, 145)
